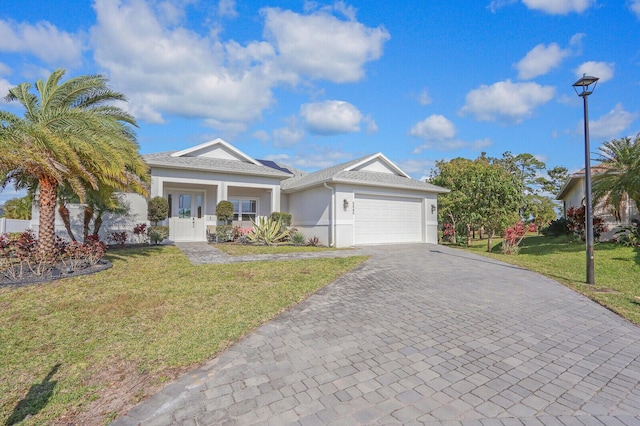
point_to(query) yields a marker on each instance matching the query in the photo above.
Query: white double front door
(186, 221)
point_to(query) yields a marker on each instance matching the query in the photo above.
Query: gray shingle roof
(164, 159)
(338, 174)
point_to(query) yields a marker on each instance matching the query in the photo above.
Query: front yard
(617, 269)
(83, 350)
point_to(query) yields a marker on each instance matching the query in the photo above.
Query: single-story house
(572, 195)
(369, 200)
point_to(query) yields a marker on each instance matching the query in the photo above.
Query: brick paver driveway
(421, 334)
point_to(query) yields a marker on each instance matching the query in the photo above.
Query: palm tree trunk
(47, 222)
(88, 215)
(97, 223)
(66, 219)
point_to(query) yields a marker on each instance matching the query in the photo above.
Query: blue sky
(313, 84)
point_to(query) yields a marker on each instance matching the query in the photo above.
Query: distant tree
(540, 210)
(621, 157)
(70, 134)
(482, 194)
(157, 209)
(18, 208)
(525, 167)
(557, 177)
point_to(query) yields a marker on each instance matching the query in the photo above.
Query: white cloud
(322, 46)
(331, 117)
(540, 60)
(499, 4)
(291, 134)
(424, 98)
(169, 69)
(43, 40)
(4, 89)
(611, 125)
(227, 8)
(603, 70)
(261, 135)
(481, 143)
(437, 132)
(313, 158)
(372, 127)
(418, 168)
(436, 127)
(173, 70)
(506, 101)
(634, 5)
(559, 7)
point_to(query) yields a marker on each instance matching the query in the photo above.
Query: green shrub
(313, 241)
(629, 235)
(556, 228)
(224, 211)
(285, 218)
(224, 233)
(157, 209)
(267, 231)
(297, 238)
(157, 234)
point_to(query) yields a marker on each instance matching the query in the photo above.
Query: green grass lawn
(82, 350)
(234, 249)
(617, 269)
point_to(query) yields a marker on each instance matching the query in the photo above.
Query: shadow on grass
(132, 252)
(36, 399)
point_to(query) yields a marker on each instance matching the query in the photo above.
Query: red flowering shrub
(577, 223)
(513, 235)
(19, 257)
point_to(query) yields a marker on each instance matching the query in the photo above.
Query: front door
(187, 220)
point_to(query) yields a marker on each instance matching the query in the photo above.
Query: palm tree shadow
(35, 400)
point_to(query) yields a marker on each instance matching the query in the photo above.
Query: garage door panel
(380, 219)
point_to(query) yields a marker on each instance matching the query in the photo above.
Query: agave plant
(267, 231)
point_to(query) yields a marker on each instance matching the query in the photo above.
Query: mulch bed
(57, 273)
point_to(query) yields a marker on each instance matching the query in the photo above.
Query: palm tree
(70, 135)
(620, 159)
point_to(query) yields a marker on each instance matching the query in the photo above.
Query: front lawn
(236, 249)
(617, 269)
(85, 349)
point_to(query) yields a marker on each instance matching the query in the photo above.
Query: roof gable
(376, 163)
(218, 149)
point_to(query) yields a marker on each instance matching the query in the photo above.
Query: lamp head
(586, 85)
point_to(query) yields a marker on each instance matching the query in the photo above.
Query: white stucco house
(572, 195)
(369, 200)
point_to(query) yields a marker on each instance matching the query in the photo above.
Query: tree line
(489, 194)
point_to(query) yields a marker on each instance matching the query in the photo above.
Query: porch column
(222, 191)
(275, 199)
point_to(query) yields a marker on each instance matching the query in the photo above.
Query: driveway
(421, 334)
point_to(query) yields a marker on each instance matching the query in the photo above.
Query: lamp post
(584, 87)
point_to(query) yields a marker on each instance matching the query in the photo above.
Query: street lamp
(584, 87)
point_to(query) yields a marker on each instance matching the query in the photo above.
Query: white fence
(13, 225)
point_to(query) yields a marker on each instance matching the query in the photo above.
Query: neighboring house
(369, 200)
(572, 194)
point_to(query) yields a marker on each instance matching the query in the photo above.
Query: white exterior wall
(13, 225)
(218, 187)
(136, 213)
(310, 210)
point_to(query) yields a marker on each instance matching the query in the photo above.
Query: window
(244, 209)
(199, 205)
(184, 206)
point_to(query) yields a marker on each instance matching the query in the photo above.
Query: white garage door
(379, 220)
